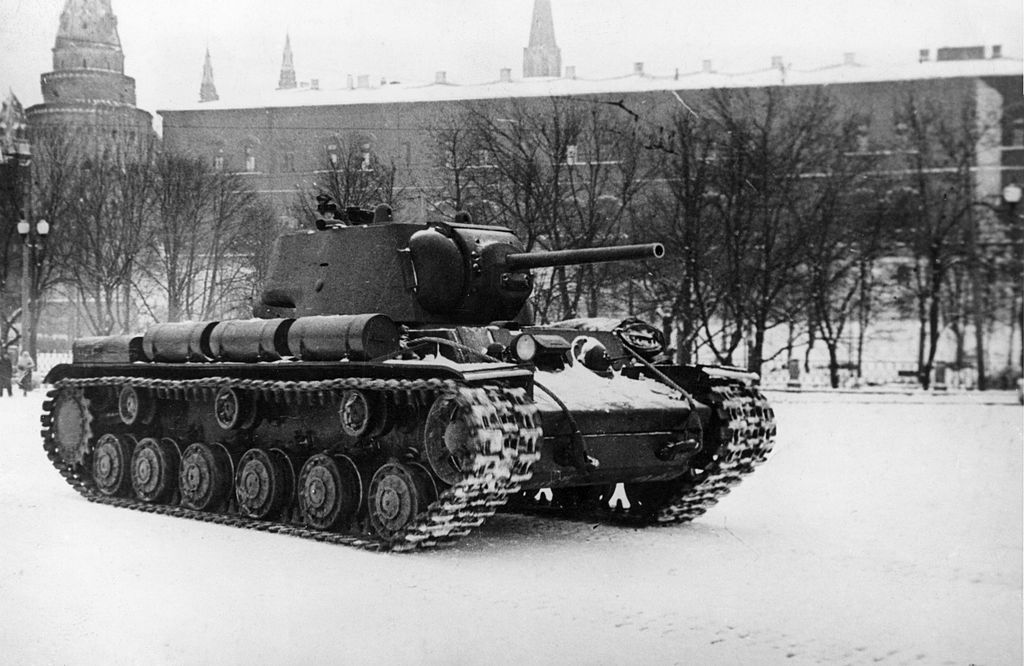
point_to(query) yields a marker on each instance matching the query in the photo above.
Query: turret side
(348, 270)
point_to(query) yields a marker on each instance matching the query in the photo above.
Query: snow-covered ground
(885, 529)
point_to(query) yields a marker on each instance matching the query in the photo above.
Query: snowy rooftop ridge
(446, 90)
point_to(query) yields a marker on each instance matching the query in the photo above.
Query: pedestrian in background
(6, 374)
(25, 367)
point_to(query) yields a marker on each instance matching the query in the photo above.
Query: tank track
(746, 432)
(504, 435)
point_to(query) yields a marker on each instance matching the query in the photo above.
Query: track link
(503, 435)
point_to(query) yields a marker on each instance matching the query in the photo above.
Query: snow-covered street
(885, 529)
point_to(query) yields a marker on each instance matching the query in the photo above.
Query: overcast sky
(409, 40)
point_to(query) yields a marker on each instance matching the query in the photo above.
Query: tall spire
(208, 91)
(542, 57)
(287, 79)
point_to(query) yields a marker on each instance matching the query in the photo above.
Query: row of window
(335, 151)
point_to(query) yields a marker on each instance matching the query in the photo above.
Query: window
(333, 153)
(571, 154)
(863, 139)
(218, 160)
(1017, 132)
(250, 159)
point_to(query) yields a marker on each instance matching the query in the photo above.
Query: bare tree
(105, 232)
(196, 221)
(769, 141)
(562, 173)
(353, 176)
(940, 141)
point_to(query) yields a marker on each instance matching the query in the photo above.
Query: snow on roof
(394, 93)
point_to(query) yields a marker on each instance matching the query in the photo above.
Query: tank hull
(186, 419)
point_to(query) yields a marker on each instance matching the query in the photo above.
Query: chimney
(506, 74)
(638, 68)
(314, 84)
(363, 81)
(705, 66)
(849, 58)
(923, 55)
(570, 71)
(997, 50)
(441, 77)
(350, 83)
(777, 62)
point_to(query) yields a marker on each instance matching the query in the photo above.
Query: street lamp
(1012, 195)
(29, 254)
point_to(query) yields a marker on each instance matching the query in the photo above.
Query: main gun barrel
(526, 260)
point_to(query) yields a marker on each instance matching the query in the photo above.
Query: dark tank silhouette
(393, 392)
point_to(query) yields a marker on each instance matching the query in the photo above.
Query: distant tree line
(775, 212)
(135, 236)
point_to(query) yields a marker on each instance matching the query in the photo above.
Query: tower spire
(87, 37)
(542, 57)
(208, 91)
(287, 79)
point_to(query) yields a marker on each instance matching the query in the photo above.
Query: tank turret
(417, 273)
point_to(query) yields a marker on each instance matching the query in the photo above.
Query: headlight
(525, 348)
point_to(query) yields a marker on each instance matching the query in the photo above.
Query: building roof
(88, 22)
(442, 90)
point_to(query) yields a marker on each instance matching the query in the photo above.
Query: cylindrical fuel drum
(178, 342)
(336, 337)
(250, 340)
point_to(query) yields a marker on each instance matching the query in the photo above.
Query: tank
(392, 392)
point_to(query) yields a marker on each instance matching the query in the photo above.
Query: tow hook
(680, 449)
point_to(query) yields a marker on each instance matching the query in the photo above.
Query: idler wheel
(444, 439)
(356, 413)
(329, 491)
(72, 425)
(111, 464)
(398, 493)
(135, 405)
(263, 483)
(233, 409)
(205, 476)
(154, 469)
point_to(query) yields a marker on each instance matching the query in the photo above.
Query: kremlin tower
(87, 94)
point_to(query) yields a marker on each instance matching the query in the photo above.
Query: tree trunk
(833, 363)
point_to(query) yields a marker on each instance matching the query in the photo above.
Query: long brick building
(279, 138)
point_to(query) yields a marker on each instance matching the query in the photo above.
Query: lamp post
(29, 289)
(1011, 197)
